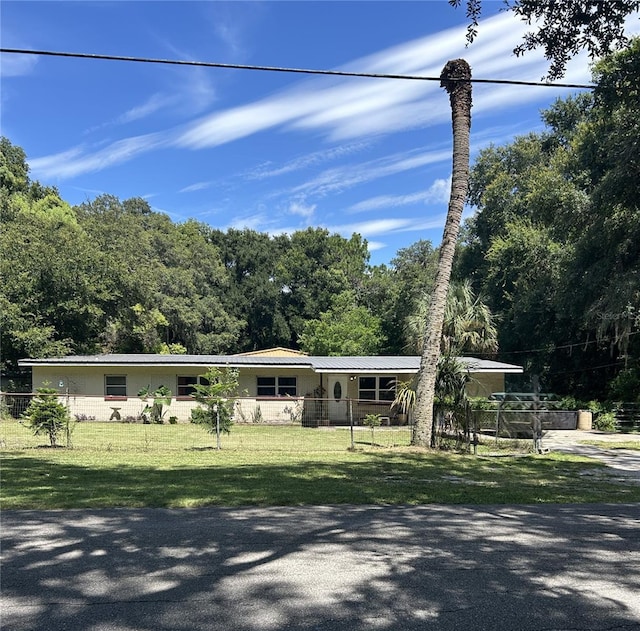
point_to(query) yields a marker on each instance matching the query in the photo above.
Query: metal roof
(408, 364)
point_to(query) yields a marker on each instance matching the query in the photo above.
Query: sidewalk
(625, 462)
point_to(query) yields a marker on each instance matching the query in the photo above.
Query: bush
(605, 422)
(160, 397)
(571, 403)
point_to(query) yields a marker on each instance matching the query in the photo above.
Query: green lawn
(611, 444)
(101, 471)
(138, 437)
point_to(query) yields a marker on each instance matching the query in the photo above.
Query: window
(287, 386)
(115, 385)
(186, 383)
(377, 388)
(277, 386)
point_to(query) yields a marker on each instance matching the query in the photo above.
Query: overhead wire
(564, 346)
(310, 71)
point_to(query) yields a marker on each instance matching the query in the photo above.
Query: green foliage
(372, 421)
(570, 403)
(216, 393)
(46, 415)
(346, 329)
(405, 397)
(563, 29)
(160, 397)
(626, 386)
(557, 220)
(13, 167)
(481, 403)
(469, 326)
(605, 422)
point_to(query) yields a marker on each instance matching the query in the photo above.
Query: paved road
(347, 568)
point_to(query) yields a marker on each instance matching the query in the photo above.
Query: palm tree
(455, 79)
(468, 326)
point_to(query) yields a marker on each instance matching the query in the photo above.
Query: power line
(338, 73)
(564, 346)
(581, 370)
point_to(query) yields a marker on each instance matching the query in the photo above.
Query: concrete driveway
(555, 567)
(623, 463)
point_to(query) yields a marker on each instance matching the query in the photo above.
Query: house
(281, 382)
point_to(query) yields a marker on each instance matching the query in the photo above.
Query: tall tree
(455, 79)
(393, 292)
(314, 266)
(345, 329)
(554, 241)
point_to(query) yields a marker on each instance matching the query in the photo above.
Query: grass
(164, 474)
(138, 437)
(610, 444)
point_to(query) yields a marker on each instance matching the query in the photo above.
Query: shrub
(160, 397)
(605, 422)
(256, 415)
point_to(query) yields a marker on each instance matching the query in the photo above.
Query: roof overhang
(398, 364)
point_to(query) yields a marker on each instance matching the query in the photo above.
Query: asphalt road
(560, 567)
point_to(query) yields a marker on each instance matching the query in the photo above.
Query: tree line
(552, 254)
(112, 275)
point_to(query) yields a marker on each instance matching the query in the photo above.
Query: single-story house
(282, 382)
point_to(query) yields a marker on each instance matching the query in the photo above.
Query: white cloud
(349, 108)
(76, 161)
(298, 207)
(197, 92)
(265, 222)
(438, 192)
(15, 65)
(380, 227)
(375, 245)
(198, 186)
(154, 103)
(352, 108)
(315, 158)
(348, 176)
(258, 222)
(230, 35)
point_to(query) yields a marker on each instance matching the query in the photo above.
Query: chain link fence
(282, 424)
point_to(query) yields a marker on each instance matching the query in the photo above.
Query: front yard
(102, 471)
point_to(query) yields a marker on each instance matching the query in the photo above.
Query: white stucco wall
(86, 388)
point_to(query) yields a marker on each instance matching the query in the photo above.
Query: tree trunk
(454, 79)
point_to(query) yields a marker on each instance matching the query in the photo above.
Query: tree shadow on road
(323, 567)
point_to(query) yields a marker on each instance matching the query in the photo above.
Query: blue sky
(268, 151)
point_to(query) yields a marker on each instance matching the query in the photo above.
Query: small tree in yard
(46, 415)
(372, 421)
(216, 394)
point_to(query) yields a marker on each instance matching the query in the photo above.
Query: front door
(338, 403)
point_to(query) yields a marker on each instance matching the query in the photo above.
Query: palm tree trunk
(455, 79)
